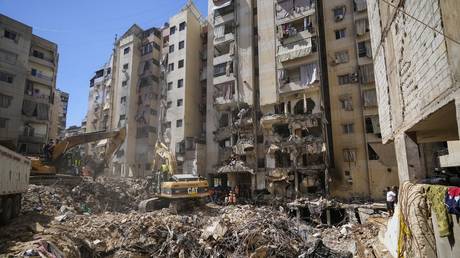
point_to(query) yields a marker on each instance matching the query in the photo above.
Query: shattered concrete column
(408, 157)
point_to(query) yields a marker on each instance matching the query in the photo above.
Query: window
(170, 85)
(340, 34)
(172, 30)
(3, 122)
(6, 77)
(344, 79)
(372, 124)
(124, 83)
(220, 69)
(168, 125)
(181, 63)
(182, 26)
(147, 48)
(370, 98)
(347, 172)
(38, 54)
(125, 66)
(155, 62)
(169, 104)
(123, 100)
(9, 34)
(171, 48)
(339, 13)
(180, 83)
(179, 123)
(180, 102)
(171, 67)
(348, 128)
(349, 155)
(126, 51)
(153, 112)
(364, 49)
(341, 57)
(371, 152)
(181, 44)
(5, 100)
(346, 102)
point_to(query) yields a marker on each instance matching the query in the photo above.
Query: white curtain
(361, 26)
(308, 73)
(219, 31)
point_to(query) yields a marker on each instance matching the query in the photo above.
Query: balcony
(224, 95)
(32, 138)
(44, 99)
(286, 12)
(297, 86)
(218, 19)
(40, 77)
(295, 50)
(42, 61)
(297, 36)
(224, 39)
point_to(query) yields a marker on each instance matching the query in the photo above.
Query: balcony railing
(32, 138)
(225, 38)
(41, 75)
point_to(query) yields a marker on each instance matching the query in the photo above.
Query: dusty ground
(99, 219)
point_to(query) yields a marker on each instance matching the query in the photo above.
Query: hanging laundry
(436, 195)
(453, 200)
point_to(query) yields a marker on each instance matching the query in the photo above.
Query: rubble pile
(104, 194)
(232, 231)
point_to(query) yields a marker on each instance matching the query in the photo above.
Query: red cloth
(453, 191)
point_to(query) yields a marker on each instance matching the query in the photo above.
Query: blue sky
(84, 31)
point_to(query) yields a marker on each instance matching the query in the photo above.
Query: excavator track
(55, 179)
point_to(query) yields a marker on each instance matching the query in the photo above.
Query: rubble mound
(103, 194)
(234, 231)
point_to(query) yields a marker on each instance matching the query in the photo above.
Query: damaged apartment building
(291, 103)
(152, 86)
(30, 105)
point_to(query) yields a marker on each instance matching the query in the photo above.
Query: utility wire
(418, 20)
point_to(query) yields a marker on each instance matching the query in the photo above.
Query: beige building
(303, 70)
(416, 58)
(182, 109)
(28, 68)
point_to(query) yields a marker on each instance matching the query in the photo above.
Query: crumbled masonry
(99, 219)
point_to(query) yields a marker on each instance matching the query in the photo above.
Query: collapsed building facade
(292, 105)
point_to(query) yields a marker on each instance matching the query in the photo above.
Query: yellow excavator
(53, 164)
(178, 191)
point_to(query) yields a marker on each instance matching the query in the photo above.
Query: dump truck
(14, 180)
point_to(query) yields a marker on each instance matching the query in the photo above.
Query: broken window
(3, 122)
(282, 130)
(38, 54)
(125, 66)
(180, 83)
(5, 100)
(282, 159)
(126, 51)
(170, 85)
(147, 48)
(220, 69)
(370, 98)
(341, 57)
(339, 34)
(371, 152)
(171, 67)
(372, 124)
(179, 123)
(346, 102)
(223, 121)
(180, 102)
(365, 49)
(181, 63)
(182, 26)
(6, 77)
(339, 13)
(349, 155)
(172, 30)
(348, 128)
(9, 34)
(171, 48)
(181, 44)
(123, 100)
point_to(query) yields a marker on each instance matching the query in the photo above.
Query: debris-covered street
(100, 219)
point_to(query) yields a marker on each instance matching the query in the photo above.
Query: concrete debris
(104, 194)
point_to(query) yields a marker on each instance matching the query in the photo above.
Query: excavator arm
(117, 138)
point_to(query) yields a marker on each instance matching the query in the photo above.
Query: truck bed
(14, 172)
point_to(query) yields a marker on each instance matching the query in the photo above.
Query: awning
(218, 4)
(102, 143)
